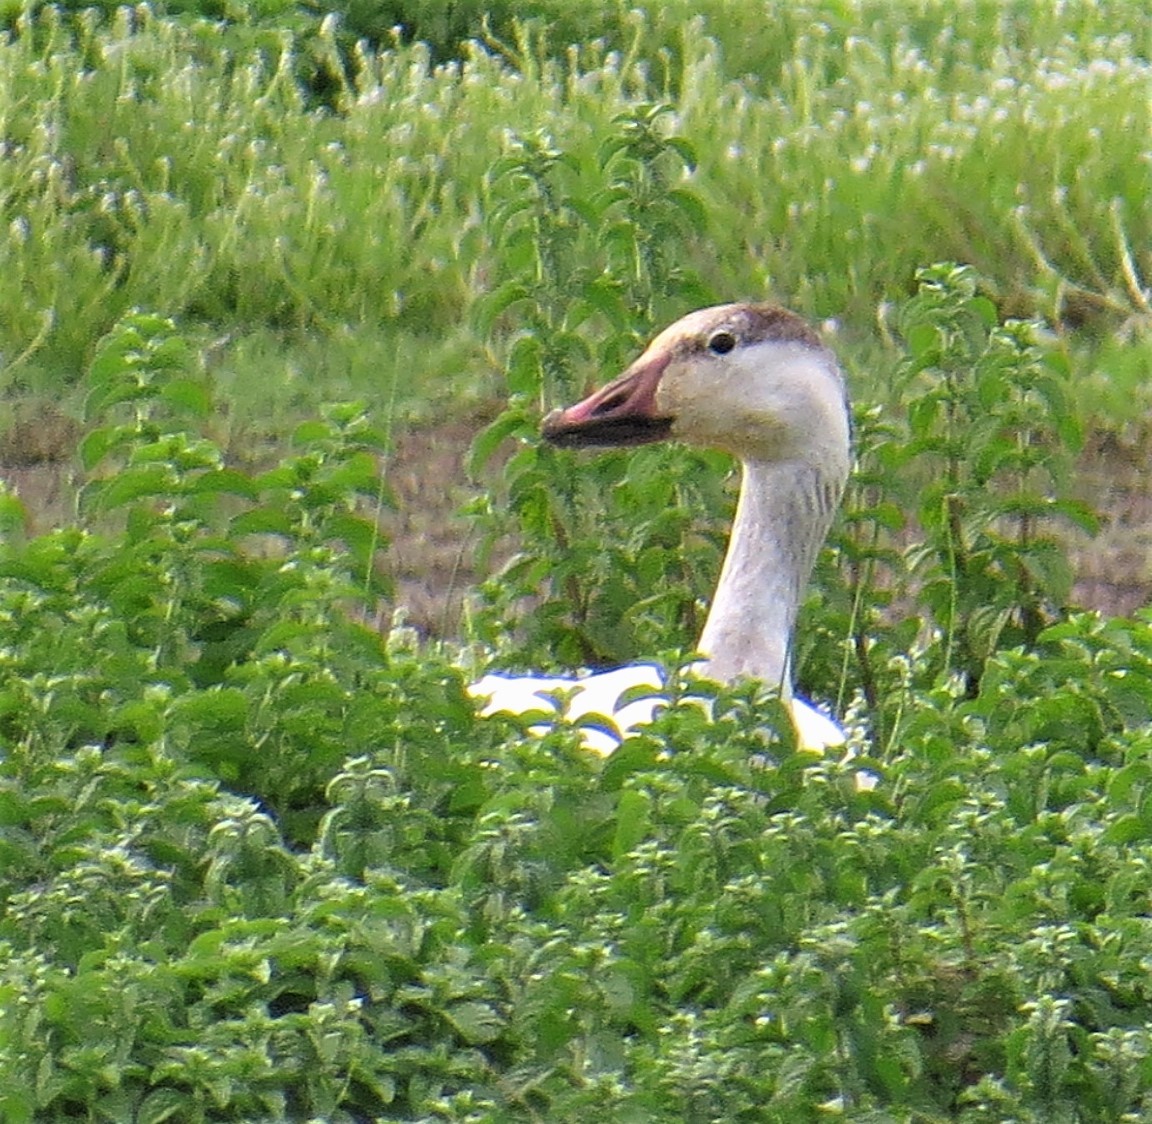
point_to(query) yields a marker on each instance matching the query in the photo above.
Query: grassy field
(151, 164)
(259, 858)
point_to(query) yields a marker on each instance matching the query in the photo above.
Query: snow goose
(755, 381)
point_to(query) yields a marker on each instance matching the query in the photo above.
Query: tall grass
(153, 163)
(837, 189)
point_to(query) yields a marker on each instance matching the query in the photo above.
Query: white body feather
(599, 694)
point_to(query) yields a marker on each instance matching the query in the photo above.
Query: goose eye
(720, 343)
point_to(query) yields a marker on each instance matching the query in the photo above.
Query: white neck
(781, 520)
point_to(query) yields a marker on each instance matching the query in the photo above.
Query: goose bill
(621, 413)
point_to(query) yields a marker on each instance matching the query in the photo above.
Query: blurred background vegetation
(310, 185)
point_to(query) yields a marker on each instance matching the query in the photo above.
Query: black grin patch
(608, 432)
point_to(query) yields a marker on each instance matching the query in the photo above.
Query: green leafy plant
(587, 256)
(259, 861)
(985, 459)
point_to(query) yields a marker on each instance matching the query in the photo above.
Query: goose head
(755, 381)
(752, 380)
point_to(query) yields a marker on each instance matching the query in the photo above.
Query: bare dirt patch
(432, 557)
(1114, 570)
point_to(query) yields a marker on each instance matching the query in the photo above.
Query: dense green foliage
(260, 861)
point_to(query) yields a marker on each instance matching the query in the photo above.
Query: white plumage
(755, 381)
(599, 694)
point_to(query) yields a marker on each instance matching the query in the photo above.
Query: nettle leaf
(924, 343)
(311, 432)
(1131, 783)
(520, 250)
(589, 209)
(357, 474)
(610, 147)
(221, 709)
(923, 416)
(160, 1105)
(181, 452)
(524, 372)
(686, 151)
(114, 392)
(229, 481)
(1128, 828)
(633, 821)
(282, 477)
(188, 396)
(128, 485)
(363, 537)
(985, 310)
(97, 444)
(572, 346)
(282, 634)
(621, 237)
(14, 517)
(489, 308)
(634, 755)
(691, 207)
(514, 421)
(477, 1023)
(606, 295)
(1050, 566)
(264, 521)
(993, 387)
(345, 416)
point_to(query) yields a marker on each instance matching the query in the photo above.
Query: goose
(756, 381)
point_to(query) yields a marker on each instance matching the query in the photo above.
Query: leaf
(511, 422)
(520, 252)
(691, 207)
(357, 474)
(99, 442)
(1125, 829)
(311, 432)
(686, 151)
(13, 516)
(1134, 778)
(113, 393)
(160, 1105)
(263, 521)
(634, 755)
(610, 147)
(986, 310)
(362, 536)
(633, 816)
(187, 395)
(573, 347)
(924, 343)
(475, 1022)
(219, 708)
(229, 481)
(130, 484)
(605, 294)
(488, 309)
(524, 373)
(622, 236)
(639, 692)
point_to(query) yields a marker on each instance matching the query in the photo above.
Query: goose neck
(781, 519)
